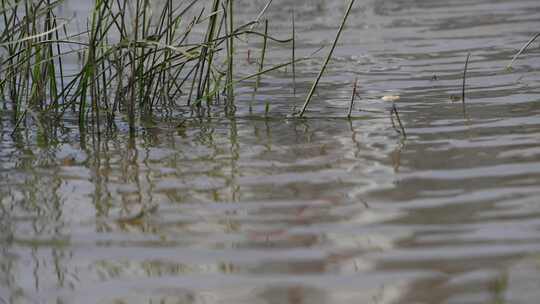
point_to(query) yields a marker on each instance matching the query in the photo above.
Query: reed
(523, 49)
(355, 88)
(394, 112)
(293, 52)
(29, 57)
(263, 55)
(328, 58)
(135, 58)
(464, 83)
(230, 51)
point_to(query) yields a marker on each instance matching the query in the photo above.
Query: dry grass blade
(35, 36)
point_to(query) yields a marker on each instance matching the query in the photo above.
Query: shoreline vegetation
(134, 59)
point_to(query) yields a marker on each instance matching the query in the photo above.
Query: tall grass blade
(263, 55)
(523, 48)
(401, 129)
(464, 83)
(293, 52)
(318, 79)
(355, 86)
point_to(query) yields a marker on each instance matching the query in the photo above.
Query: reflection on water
(216, 204)
(253, 210)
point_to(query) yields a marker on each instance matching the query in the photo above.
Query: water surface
(322, 210)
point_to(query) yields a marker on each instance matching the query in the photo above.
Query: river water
(321, 210)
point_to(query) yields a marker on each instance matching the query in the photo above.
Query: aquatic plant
(134, 58)
(523, 49)
(328, 58)
(463, 85)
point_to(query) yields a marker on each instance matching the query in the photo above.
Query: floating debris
(454, 98)
(391, 98)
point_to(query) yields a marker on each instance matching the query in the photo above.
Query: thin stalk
(11, 52)
(316, 83)
(133, 81)
(464, 82)
(193, 81)
(263, 54)
(208, 46)
(60, 63)
(293, 53)
(355, 86)
(396, 113)
(523, 48)
(210, 70)
(230, 53)
(92, 67)
(263, 11)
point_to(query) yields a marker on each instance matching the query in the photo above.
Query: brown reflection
(354, 139)
(235, 156)
(396, 157)
(293, 295)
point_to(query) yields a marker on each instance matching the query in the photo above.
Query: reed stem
(318, 79)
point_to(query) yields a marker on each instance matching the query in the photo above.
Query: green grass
(134, 58)
(328, 58)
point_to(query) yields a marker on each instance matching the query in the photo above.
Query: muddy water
(323, 210)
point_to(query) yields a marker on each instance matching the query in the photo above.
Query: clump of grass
(31, 61)
(136, 57)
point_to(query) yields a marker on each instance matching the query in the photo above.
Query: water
(324, 210)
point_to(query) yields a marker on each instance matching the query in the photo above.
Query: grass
(134, 58)
(328, 58)
(523, 49)
(463, 85)
(263, 55)
(293, 52)
(394, 112)
(354, 93)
